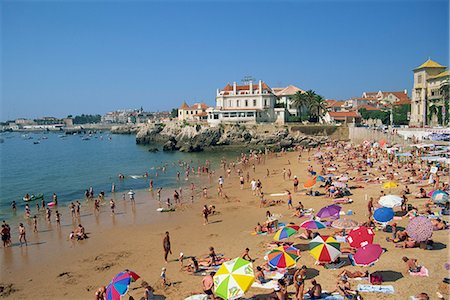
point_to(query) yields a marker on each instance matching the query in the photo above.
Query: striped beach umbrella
(312, 224)
(344, 224)
(233, 279)
(118, 286)
(324, 248)
(383, 214)
(283, 257)
(285, 232)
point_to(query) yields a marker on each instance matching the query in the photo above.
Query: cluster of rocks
(195, 138)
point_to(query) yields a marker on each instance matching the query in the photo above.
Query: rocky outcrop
(195, 138)
(125, 129)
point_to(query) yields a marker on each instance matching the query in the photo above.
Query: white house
(245, 104)
(285, 96)
(196, 112)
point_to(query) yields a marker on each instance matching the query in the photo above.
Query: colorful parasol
(312, 224)
(440, 197)
(390, 201)
(283, 257)
(390, 185)
(367, 255)
(420, 229)
(310, 183)
(344, 224)
(234, 278)
(360, 236)
(118, 286)
(383, 214)
(324, 248)
(329, 211)
(285, 232)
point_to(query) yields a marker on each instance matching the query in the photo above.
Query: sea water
(67, 165)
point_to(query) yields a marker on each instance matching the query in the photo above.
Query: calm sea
(48, 162)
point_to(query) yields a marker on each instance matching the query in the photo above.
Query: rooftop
(430, 64)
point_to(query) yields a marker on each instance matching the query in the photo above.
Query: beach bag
(376, 279)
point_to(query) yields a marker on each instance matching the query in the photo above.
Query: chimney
(251, 87)
(260, 87)
(234, 88)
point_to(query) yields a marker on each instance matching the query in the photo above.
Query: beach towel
(422, 273)
(360, 278)
(369, 288)
(278, 274)
(268, 285)
(258, 233)
(334, 266)
(327, 296)
(342, 200)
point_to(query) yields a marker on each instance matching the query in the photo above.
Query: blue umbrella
(383, 214)
(440, 196)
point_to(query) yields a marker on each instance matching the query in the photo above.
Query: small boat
(85, 139)
(36, 142)
(33, 197)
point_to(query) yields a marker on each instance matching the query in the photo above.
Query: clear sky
(61, 58)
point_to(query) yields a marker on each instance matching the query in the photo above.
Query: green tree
(300, 100)
(174, 113)
(87, 119)
(445, 95)
(317, 107)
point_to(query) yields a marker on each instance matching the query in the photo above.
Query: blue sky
(61, 58)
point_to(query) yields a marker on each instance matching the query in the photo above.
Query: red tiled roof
(184, 105)
(229, 87)
(334, 103)
(344, 114)
(202, 114)
(196, 106)
(401, 96)
(367, 107)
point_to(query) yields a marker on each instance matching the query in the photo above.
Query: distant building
(345, 117)
(196, 112)
(68, 122)
(285, 96)
(383, 96)
(426, 94)
(335, 105)
(251, 103)
(22, 121)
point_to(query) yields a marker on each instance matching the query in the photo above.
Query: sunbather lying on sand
(349, 274)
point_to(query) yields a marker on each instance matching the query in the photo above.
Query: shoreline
(135, 242)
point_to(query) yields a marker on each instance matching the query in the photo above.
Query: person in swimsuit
(22, 235)
(259, 275)
(411, 264)
(299, 280)
(166, 246)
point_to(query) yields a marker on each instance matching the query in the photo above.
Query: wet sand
(52, 267)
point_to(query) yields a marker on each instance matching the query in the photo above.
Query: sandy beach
(53, 267)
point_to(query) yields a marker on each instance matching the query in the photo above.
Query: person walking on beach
(370, 207)
(55, 199)
(112, 205)
(289, 200)
(131, 194)
(72, 210)
(58, 218)
(22, 235)
(78, 206)
(35, 224)
(48, 215)
(205, 213)
(166, 246)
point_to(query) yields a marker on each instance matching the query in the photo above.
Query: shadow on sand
(388, 276)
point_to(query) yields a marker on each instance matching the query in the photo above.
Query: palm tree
(299, 100)
(317, 107)
(444, 91)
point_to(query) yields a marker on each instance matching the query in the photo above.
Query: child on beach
(22, 235)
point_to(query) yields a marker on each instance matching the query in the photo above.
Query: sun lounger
(369, 288)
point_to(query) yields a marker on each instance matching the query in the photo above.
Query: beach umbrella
(390, 201)
(329, 211)
(312, 224)
(318, 154)
(367, 255)
(430, 193)
(383, 214)
(118, 286)
(309, 183)
(324, 248)
(440, 196)
(382, 143)
(283, 257)
(234, 278)
(339, 184)
(344, 224)
(360, 236)
(285, 232)
(390, 185)
(420, 229)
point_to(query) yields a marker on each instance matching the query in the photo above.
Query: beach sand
(53, 267)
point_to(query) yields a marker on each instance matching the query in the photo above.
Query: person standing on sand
(22, 235)
(208, 284)
(55, 199)
(205, 213)
(112, 205)
(35, 224)
(58, 218)
(166, 246)
(370, 207)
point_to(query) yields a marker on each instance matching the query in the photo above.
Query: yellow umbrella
(390, 185)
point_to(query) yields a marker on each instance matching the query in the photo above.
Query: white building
(285, 96)
(428, 80)
(196, 112)
(245, 104)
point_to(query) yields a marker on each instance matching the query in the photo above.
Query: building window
(419, 78)
(246, 103)
(230, 103)
(237, 103)
(254, 102)
(216, 116)
(250, 114)
(265, 102)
